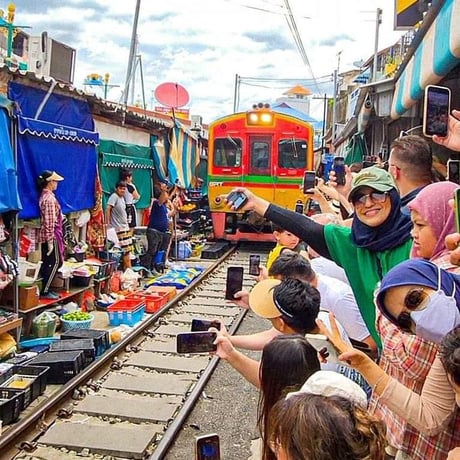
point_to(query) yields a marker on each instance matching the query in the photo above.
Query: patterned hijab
(432, 203)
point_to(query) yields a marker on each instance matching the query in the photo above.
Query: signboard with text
(408, 13)
(179, 113)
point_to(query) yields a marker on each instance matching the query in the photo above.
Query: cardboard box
(28, 297)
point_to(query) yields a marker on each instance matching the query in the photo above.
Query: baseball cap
(329, 383)
(51, 175)
(374, 177)
(261, 299)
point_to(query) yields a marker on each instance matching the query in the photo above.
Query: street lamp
(95, 79)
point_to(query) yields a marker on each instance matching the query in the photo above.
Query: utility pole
(334, 106)
(132, 53)
(378, 21)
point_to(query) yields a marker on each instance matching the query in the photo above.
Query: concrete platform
(134, 408)
(170, 363)
(167, 384)
(102, 438)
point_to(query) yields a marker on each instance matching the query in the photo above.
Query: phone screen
(234, 282)
(339, 169)
(457, 209)
(207, 447)
(196, 342)
(453, 171)
(238, 199)
(309, 181)
(320, 342)
(437, 108)
(202, 325)
(299, 208)
(254, 265)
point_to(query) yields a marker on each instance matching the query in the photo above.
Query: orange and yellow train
(265, 151)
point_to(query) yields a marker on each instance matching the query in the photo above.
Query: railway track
(133, 400)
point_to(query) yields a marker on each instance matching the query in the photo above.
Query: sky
(203, 44)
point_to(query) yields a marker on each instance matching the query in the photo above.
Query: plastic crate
(126, 311)
(101, 338)
(153, 301)
(81, 281)
(105, 270)
(214, 251)
(38, 374)
(85, 345)
(68, 325)
(63, 365)
(11, 404)
(108, 256)
(170, 290)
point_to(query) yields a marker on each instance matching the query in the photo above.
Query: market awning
(118, 161)
(436, 55)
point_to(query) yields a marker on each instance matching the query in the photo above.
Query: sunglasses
(376, 197)
(414, 298)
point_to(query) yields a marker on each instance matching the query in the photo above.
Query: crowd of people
(382, 287)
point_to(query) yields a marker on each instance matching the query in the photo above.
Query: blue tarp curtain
(115, 156)
(9, 198)
(176, 156)
(62, 140)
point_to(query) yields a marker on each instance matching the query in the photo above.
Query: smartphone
(322, 345)
(299, 207)
(254, 265)
(309, 181)
(453, 171)
(339, 169)
(436, 110)
(234, 282)
(457, 209)
(202, 325)
(238, 199)
(195, 342)
(207, 447)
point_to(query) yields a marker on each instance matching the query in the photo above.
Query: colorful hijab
(418, 272)
(432, 203)
(394, 232)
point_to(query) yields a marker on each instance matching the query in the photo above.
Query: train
(264, 150)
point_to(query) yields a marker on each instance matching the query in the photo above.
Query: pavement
(227, 407)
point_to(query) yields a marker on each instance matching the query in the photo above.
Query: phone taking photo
(309, 181)
(202, 325)
(238, 199)
(207, 447)
(453, 171)
(325, 347)
(254, 265)
(436, 111)
(339, 169)
(234, 282)
(196, 342)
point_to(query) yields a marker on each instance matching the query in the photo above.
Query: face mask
(439, 317)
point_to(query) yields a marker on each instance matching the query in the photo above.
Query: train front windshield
(227, 152)
(292, 153)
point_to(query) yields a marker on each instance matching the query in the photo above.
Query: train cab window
(292, 153)
(259, 156)
(227, 152)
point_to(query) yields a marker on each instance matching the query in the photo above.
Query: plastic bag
(44, 325)
(129, 279)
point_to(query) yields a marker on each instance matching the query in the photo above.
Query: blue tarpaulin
(62, 140)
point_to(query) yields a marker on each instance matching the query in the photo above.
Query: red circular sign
(172, 95)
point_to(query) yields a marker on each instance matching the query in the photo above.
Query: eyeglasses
(413, 300)
(376, 197)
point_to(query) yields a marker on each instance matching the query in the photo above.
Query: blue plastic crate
(130, 315)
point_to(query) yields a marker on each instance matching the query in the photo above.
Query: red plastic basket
(126, 311)
(153, 301)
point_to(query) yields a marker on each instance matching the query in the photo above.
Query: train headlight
(266, 118)
(253, 118)
(259, 118)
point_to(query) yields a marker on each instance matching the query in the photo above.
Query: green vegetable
(77, 316)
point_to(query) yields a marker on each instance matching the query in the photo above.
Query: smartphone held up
(309, 181)
(339, 170)
(207, 447)
(234, 282)
(436, 110)
(196, 342)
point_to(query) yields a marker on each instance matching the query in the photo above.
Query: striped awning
(111, 160)
(436, 55)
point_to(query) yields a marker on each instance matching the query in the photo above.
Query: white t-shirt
(338, 298)
(327, 267)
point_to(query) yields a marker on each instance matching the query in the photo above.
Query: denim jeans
(156, 241)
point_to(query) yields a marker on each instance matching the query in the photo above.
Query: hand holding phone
(436, 111)
(254, 265)
(453, 171)
(196, 342)
(207, 447)
(238, 199)
(234, 282)
(202, 325)
(325, 348)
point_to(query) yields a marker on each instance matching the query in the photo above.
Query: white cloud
(203, 44)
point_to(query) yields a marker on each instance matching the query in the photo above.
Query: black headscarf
(391, 234)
